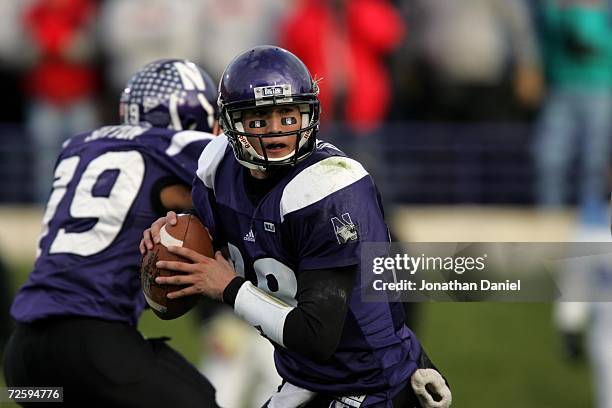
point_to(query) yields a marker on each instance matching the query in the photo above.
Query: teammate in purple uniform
(77, 313)
(293, 213)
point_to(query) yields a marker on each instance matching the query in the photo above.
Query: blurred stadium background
(442, 100)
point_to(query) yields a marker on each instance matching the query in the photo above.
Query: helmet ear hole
(157, 118)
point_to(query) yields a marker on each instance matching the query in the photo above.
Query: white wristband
(262, 310)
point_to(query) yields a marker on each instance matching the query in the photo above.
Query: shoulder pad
(183, 138)
(210, 159)
(318, 181)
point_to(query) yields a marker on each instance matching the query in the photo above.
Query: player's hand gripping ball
(188, 232)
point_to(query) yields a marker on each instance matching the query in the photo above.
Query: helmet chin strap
(251, 166)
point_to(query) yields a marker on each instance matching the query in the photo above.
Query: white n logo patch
(344, 228)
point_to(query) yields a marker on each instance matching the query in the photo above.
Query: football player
(586, 326)
(77, 313)
(293, 213)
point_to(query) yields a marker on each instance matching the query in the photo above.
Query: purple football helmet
(170, 93)
(261, 77)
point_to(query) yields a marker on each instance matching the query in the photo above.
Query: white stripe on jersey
(210, 159)
(182, 139)
(318, 181)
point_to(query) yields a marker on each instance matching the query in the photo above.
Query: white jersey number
(110, 211)
(272, 276)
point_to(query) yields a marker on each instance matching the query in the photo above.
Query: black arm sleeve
(314, 327)
(231, 290)
(159, 185)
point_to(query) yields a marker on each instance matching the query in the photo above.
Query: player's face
(270, 120)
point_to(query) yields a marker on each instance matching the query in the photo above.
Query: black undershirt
(256, 188)
(314, 327)
(158, 186)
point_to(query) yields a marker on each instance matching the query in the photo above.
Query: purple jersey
(88, 259)
(315, 217)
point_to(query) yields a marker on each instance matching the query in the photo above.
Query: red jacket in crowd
(344, 43)
(53, 25)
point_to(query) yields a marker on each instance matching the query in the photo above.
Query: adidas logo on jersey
(249, 236)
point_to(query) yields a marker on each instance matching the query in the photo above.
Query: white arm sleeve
(263, 311)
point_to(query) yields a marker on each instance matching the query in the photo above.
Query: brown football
(188, 232)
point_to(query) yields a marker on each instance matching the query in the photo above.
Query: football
(188, 232)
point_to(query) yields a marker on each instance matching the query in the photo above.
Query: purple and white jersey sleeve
(203, 190)
(329, 209)
(179, 151)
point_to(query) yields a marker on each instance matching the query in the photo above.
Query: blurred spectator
(134, 32)
(472, 60)
(12, 59)
(228, 27)
(5, 298)
(589, 322)
(577, 49)
(208, 32)
(344, 43)
(15, 163)
(61, 84)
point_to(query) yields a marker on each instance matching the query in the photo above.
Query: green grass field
(503, 355)
(493, 355)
